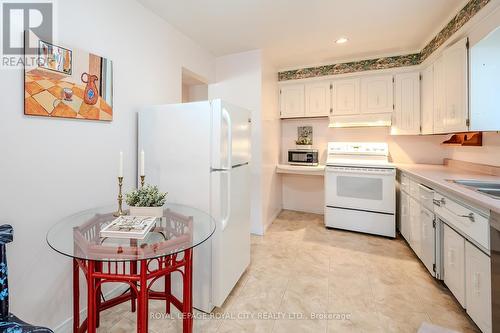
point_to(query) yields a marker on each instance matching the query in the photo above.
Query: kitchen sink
(478, 184)
(491, 192)
(489, 188)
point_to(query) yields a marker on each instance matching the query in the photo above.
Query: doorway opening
(194, 87)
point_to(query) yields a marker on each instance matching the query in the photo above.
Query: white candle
(120, 165)
(142, 163)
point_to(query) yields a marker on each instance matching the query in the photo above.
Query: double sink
(489, 188)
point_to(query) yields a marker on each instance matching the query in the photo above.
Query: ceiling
(295, 33)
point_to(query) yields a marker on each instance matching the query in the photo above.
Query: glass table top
(180, 228)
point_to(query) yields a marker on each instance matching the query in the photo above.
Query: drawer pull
(470, 216)
(440, 202)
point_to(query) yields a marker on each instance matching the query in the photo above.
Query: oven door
(361, 188)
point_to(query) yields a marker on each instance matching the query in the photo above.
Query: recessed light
(341, 40)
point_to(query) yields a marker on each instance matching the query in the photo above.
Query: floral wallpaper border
(462, 17)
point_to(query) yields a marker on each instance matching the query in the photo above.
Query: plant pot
(146, 211)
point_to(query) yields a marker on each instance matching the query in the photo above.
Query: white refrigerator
(200, 154)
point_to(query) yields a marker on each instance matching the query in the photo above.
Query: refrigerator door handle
(227, 215)
(227, 119)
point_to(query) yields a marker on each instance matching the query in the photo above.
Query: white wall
(271, 139)
(489, 153)
(51, 168)
(238, 81)
(403, 149)
(249, 80)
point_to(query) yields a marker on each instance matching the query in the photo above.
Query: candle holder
(120, 212)
(142, 180)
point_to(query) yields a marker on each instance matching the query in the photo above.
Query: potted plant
(304, 137)
(304, 143)
(146, 201)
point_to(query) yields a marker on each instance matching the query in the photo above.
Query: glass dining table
(138, 263)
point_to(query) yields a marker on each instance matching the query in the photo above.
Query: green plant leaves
(146, 196)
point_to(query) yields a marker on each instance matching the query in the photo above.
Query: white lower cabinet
(428, 239)
(478, 286)
(454, 263)
(404, 218)
(415, 227)
(458, 257)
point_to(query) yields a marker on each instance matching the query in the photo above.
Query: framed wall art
(67, 82)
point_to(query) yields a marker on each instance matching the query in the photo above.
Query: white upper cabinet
(439, 96)
(444, 92)
(345, 97)
(377, 94)
(292, 101)
(317, 99)
(427, 100)
(484, 83)
(406, 118)
(456, 87)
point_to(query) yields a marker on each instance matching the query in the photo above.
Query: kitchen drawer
(414, 189)
(466, 220)
(426, 197)
(405, 183)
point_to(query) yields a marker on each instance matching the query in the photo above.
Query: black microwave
(303, 156)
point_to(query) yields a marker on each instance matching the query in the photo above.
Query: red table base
(140, 277)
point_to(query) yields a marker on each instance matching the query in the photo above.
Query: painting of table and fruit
(67, 83)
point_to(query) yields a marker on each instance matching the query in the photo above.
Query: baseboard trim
(271, 220)
(67, 325)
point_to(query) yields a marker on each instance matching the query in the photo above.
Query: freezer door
(175, 139)
(231, 135)
(231, 242)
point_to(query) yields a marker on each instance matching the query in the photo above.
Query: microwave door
(302, 158)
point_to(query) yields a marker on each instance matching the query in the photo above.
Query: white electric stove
(360, 188)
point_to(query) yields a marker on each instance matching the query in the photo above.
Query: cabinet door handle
(477, 287)
(451, 257)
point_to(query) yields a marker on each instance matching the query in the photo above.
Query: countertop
(306, 170)
(432, 175)
(437, 176)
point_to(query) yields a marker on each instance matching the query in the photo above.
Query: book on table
(136, 227)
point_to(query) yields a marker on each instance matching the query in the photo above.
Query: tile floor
(299, 269)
